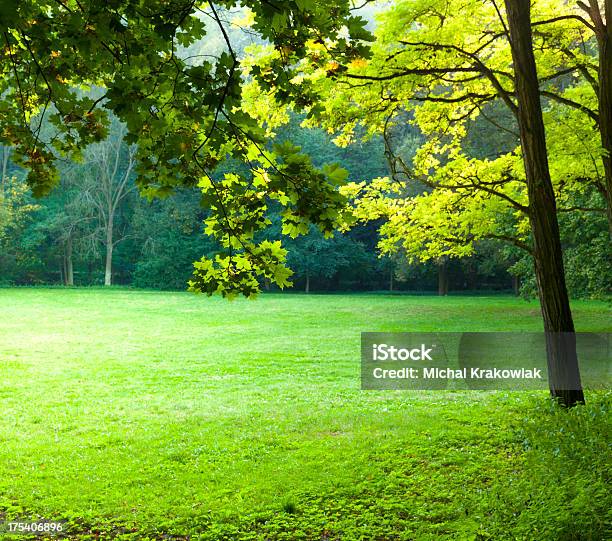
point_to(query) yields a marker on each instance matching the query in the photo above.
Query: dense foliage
(157, 241)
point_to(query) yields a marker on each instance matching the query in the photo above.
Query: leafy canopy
(445, 66)
(184, 113)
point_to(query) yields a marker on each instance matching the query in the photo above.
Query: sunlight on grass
(178, 413)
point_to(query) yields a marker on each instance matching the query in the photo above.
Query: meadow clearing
(155, 415)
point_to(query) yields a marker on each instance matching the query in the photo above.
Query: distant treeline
(97, 229)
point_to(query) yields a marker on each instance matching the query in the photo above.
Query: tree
(5, 154)
(168, 239)
(447, 62)
(314, 257)
(109, 167)
(587, 253)
(16, 209)
(563, 372)
(603, 33)
(601, 84)
(64, 223)
(5, 208)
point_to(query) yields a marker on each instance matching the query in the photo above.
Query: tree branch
(564, 18)
(512, 240)
(571, 103)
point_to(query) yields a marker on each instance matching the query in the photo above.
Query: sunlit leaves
(234, 273)
(15, 205)
(445, 66)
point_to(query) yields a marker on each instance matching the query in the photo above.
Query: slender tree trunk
(516, 285)
(562, 359)
(307, 288)
(604, 38)
(443, 278)
(6, 152)
(108, 272)
(472, 281)
(391, 280)
(69, 267)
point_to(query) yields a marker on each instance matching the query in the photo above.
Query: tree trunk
(108, 273)
(391, 280)
(562, 359)
(69, 268)
(472, 278)
(6, 152)
(604, 38)
(443, 278)
(516, 285)
(307, 287)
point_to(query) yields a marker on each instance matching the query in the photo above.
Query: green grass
(137, 414)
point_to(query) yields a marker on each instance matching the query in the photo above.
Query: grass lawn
(136, 414)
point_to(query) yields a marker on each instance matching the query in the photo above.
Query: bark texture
(443, 278)
(562, 359)
(604, 38)
(69, 265)
(108, 268)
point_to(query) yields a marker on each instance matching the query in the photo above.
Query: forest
(97, 229)
(64, 238)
